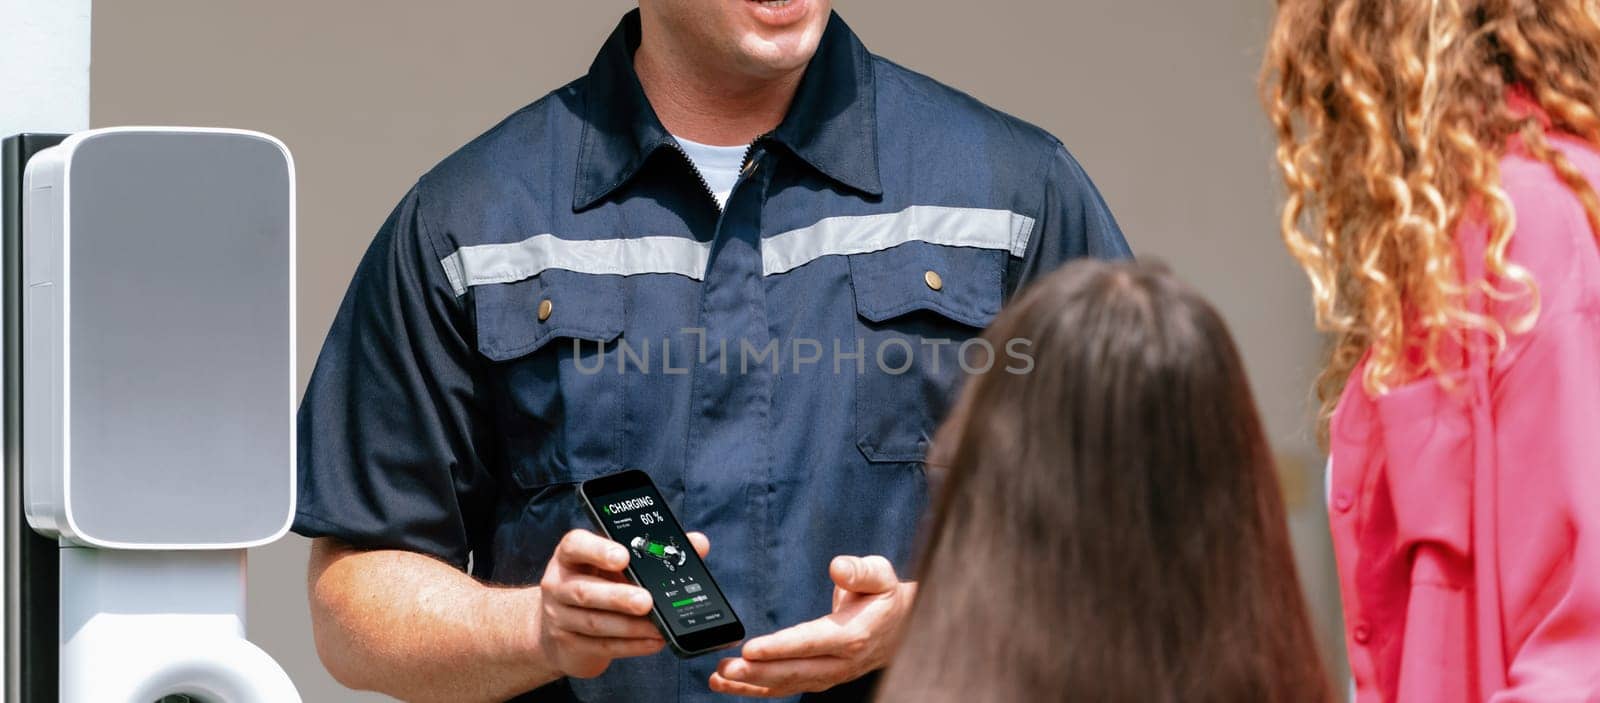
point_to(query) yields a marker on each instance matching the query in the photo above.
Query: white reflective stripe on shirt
(507, 263)
(861, 234)
(485, 264)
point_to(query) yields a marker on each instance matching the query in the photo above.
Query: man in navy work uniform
(742, 255)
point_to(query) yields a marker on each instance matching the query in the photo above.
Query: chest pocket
(550, 338)
(916, 305)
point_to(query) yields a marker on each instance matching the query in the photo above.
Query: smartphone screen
(689, 607)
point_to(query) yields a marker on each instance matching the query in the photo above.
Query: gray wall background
(1156, 99)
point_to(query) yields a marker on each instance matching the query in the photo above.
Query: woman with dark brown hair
(1109, 526)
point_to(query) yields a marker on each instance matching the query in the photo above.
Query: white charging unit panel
(158, 343)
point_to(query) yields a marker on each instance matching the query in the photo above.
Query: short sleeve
(1073, 222)
(392, 429)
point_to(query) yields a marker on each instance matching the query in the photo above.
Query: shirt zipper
(704, 186)
(749, 149)
(744, 162)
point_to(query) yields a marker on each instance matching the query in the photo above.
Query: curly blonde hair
(1391, 118)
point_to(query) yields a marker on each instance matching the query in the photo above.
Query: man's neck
(710, 107)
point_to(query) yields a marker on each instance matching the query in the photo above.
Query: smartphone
(689, 609)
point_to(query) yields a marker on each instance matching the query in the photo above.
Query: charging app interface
(664, 561)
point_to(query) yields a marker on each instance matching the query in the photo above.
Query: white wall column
(44, 66)
(44, 86)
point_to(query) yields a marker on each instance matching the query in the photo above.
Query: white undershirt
(719, 165)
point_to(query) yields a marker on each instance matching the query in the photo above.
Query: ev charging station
(149, 387)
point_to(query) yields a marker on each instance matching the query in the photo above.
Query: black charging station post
(32, 572)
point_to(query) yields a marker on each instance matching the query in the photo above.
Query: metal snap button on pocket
(545, 308)
(933, 280)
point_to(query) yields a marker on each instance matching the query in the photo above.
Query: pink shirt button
(1363, 634)
(1343, 502)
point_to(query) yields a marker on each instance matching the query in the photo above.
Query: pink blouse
(1466, 520)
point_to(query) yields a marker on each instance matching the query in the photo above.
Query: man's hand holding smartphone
(589, 613)
(593, 611)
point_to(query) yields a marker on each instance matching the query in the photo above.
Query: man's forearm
(412, 627)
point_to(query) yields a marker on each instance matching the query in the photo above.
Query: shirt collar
(1522, 104)
(831, 125)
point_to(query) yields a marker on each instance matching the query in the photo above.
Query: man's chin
(779, 55)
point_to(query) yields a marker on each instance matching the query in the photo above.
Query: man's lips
(779, 13)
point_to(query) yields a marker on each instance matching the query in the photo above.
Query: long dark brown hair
(1109, 526)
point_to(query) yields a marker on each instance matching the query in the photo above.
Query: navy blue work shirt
(562, 299)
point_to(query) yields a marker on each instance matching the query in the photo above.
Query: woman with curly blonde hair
(1439, 156)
